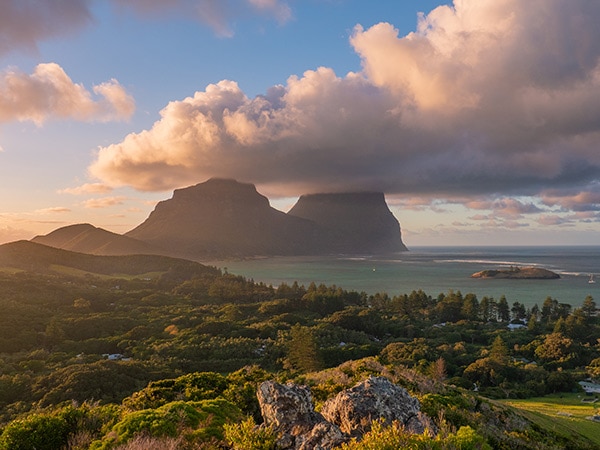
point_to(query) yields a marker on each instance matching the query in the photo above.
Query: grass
(565, 414)
(72, 271)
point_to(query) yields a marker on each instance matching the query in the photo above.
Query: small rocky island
(518, 273)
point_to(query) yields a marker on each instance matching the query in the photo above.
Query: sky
(478, 119)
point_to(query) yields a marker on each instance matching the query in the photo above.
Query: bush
(395, 437)
(35, 432)
(246, 435)
(197, 422)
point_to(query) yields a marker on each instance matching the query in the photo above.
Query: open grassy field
(566, 414)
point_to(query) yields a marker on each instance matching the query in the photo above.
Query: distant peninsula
(518, 273)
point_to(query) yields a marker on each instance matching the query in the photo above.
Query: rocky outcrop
(224, 218)
(358, 222)
(376, 398)
(289, 409)
(518, 273)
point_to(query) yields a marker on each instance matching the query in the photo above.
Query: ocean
(437, 270)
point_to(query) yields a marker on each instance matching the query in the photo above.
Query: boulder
(289, 409)
(376, 398)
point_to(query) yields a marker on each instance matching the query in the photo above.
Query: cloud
(53, 210)
(504, 207)
(49, 93)
(11, 234)
(487, 98)
(573, 199)
(24, 23)
(87, 188)
(103, 202)
(218, 15)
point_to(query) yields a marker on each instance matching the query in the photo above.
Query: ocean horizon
(439, 269)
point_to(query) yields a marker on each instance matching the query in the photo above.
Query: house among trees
(589, 387)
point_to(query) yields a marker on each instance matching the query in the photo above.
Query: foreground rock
(518, 273)
(376, 398)
(289, 409)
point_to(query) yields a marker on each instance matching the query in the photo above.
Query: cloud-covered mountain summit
(486, 98)
(226, 218)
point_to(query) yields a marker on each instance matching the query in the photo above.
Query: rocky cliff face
(353, 222)
(227, 218)
(224, 218)
(289, 409)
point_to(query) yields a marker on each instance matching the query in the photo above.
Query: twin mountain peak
(225, 218)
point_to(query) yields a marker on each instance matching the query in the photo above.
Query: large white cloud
(49, 93)
(487, 96)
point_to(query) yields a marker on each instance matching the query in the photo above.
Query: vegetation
(169, 355)
(567, 414)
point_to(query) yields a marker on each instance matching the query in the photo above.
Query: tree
(548, 313)
(499, 351)
(503, 310)
(487, 309)
(589, 307)
(557, 349)
(470, 307)
(449, 309)
(437, 370)
(593, 369)
(518, 311)
(303, 352)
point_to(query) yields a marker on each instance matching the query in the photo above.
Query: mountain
(35, 257)
(86, 238)
(353, 222)
(222, 217)
(225, 218)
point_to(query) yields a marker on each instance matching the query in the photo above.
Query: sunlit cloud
(49, 93)
(496, 100)
(103, 202)
(568, 219)
(574, 200)
(87, 188)
(504, 207)
(53, 210)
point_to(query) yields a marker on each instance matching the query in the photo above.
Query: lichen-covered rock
(290, 410)
(282, 405)
(323, 436)
(376, 398)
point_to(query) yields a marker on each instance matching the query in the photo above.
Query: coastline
(437, 270)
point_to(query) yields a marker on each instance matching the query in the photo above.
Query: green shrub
(395, 437)
(246, 435)
(35, 432)
(196, 421)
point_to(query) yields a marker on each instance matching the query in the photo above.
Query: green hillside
(39, 258)
(109, 351)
